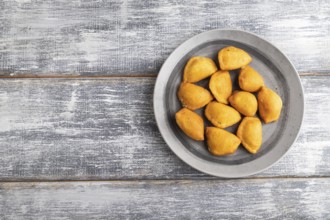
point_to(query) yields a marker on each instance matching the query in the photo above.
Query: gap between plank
(31, 76)
(163, 180)
(28, 76)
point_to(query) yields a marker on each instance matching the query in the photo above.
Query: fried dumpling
(198, 68)
(221, 86)
(190, 123)
(193, 96)
(270, 105)
(244, 102)
(221, 115)
(221, 142)
(250, 133)
(250, 80)
(231, 58)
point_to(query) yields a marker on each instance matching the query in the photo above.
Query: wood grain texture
(56, 129)
(125, 37)
(212, 199)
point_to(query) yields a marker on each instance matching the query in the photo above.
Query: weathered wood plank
(211, 199)
(135, 37)
(54, 129)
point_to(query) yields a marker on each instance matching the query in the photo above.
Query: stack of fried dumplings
(224, 107)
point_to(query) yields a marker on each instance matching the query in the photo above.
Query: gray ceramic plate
(279, 75)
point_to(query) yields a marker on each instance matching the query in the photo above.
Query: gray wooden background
(78, 138)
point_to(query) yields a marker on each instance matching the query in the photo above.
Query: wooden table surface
(78, 137)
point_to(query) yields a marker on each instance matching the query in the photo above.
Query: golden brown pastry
(221, 86)
(270, 105)
(221, 142)
(190, 123)
(198, 68)
(250, 133)
(244, 102)
(221, 115)
(231, 58)
(193, 97)
(250, 80)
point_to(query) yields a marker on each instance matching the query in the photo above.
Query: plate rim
(182, 152)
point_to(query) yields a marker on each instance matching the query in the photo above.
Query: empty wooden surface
(55, 129)
(135, 37)
(82, 142)
(229, 199)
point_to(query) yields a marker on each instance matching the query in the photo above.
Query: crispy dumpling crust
(270, 105)
(244, 102)
(221, 86)
(221, 115)
(231, 58)
(221, 142)
(193, 97)
(250, 80)
(250, 133)
(198, 68)
(190, 123)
